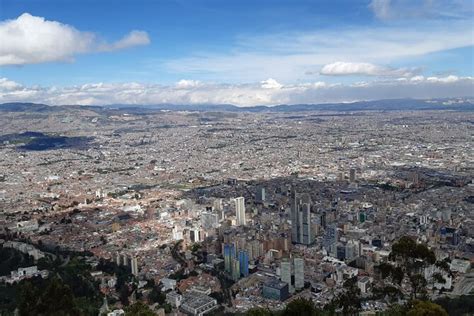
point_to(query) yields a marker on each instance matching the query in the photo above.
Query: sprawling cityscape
(237, 158)
(225, 211)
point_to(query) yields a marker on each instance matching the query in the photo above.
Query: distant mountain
(25, 107)
(455, 104)
(43, 108)
(458, 104)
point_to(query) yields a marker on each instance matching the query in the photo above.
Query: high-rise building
(134, 265)
(260, 195)
(341, 252)
(323, 220)
(229, 254)
(125, 260)
(177, 233)
(235, 264)
(301, 232)
(244, 263)
(330, 240)
(351, 250)
(285, 273)
(299, 273)
(195, 235)
(218, 205)
(209, 220)
(240, 210)
(352, 175)
(118, 260)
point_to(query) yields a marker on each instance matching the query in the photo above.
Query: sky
(245, 52)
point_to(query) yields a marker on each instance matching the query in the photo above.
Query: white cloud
(134, 38)
(8, 85)
(381, 8)
(31, 39)
(288, 57)
(417, 78)
(270, 84)
(431, 9)
(188, 83)
(248, 94)
(345, 68)
(448, 79)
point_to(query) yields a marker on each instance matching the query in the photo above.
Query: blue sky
(241, 52)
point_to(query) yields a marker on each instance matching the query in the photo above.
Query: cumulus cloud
(366, 69)
(249, 94)
(188, 83)
(31, 39)
(271, 84)
(8, 85)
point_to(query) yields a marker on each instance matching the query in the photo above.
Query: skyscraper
(299, 273)
(352, 175)
(285, 273)
(323, 220)
(229, 254)
(244, 263)
(301, 232)
(240, 210)
(260, 195)
(134, 265)
(235, 269)
(217, 204)
(330, 240)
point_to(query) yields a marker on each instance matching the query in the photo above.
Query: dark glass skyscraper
(244, 263)
(301, 232)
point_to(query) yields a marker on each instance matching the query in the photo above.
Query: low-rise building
(275, 290)
(197, 304)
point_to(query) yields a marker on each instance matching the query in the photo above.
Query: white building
(177, 233)
(116, 312)
(174, 299)
(27, 226)
(134, 265)
(168, 284)
(459, 265)
(240, 210)
(364, 284)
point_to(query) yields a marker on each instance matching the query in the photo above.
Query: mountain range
(455, 104)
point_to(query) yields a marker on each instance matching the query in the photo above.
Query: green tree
(139, 309)
(425, 308)
(258, 311)
(410, 258)
(156, 296)
(57, 300)
(349, 300)
(301, 307)
(462, 305)
(27, 299)
(124, 293)
(418, 284)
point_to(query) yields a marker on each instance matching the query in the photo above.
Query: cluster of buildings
(267, 207)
